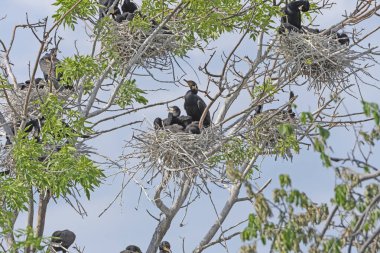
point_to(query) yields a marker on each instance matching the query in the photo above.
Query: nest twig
(263, 133)
(320, 58)
(126, 41)
(169, 153)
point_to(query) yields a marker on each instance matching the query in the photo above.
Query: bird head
(157, 123)
(133, 249)
(193, 86)
(165, 247)
(175, 111)
(305, 7)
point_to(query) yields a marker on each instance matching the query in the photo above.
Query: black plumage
(104, 9)
(129, 6)
(62, 240)
(292, 15)
(290, 110)
(124, 16)
(193, 128)
(159, 124)
(194, 105)
(343, 38)
(132, 249)
(48, 64)
(258, 109)
(165, 247)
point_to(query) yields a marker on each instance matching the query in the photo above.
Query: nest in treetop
(165, 152)
(320, 58)
(125, 41)
(273, 132)
(17, 98)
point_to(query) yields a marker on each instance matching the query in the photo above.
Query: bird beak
(167, 249)
(187, 81)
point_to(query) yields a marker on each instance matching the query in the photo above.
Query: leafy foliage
(129, 93)
(84, 10)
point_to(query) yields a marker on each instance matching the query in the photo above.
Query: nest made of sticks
(14, 107)
(165, 151)
(263, 133)
(125, 41)
(321, 58)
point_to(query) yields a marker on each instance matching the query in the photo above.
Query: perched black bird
(125, 16)
(62, 240)
(165, 29)
(165, 247)
(132, 249)
(290, 111)
(105, 8)
(194, 105)
(48, 63)
(128, 6)
(343, 39)
(193, 128)
(258, 109)
(292, 15)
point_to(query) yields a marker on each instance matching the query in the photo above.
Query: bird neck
(193, 91)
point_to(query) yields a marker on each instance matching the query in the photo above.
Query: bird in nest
(165, 247)
(194, 105)
(132, 249)
(62, 240)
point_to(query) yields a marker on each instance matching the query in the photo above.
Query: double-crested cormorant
(104, 9)
(174, 117)
(292, 15)
(48, 63)
(258, 109)
(62, 240)
(132, 249)
(290, 111)
(194, 105)
(160, 124)
(129, 6)
(165, 247)
(343, 39)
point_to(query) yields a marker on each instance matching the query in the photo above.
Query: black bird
(165, 247)
(160, 125)
(193, 128)
(290, 111)
(128, 6)
(292, 15)
(105, 7)
(132, 249)
(174, 117)
(194, 105)
(343, 39)
(165, 29)
(125, 16)
(62, 240)
(258, 109)
(48, 63)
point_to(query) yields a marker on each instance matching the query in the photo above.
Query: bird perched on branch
(132, 249)
(48, 64)
(128, 8)
(104, 9)
(165, 247)
(194, 105)
(292, 15)
(62, 240)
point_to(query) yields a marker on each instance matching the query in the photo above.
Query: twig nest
(274, 132)
(125, 41)
(321, 58)
(165, 151)
(18, 97)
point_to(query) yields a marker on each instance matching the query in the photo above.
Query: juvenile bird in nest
(48, 63)
(62, 240)
(160, 125)
(174, 117)
(165, 247)
(194, 105)
(132, 249)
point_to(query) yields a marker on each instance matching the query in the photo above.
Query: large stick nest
(126, 41)
(321, 58)
(263, 133)
(169, 153)
(14, 108)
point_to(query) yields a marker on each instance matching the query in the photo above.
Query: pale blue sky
(123, 224)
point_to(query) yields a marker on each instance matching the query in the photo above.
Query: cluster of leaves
(80, 67)
(296, 222)
(371, 110)
(129, 93)
(69, 15)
